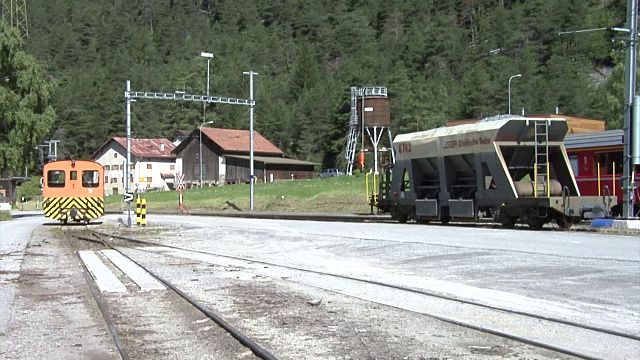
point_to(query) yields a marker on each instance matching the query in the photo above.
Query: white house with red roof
(153, 165)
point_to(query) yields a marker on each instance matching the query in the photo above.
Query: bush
(5, 215)
(29, 189)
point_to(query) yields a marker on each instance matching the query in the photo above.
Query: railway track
(529, 328)
(74, 237)
(357, 218)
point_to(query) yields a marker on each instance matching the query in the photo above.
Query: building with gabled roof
(226, 155)
(153, 165)
(179, 136)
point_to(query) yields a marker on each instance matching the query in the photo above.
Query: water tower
(370, 117)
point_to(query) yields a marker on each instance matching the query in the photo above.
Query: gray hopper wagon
(511, 169)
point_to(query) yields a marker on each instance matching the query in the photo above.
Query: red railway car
(73, 190)
(596, 160)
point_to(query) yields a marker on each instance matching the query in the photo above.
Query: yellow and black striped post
(138, 208)
(143, 212)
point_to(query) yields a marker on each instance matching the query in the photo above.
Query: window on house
(115, 155)
(107, 167)
(148, 166)
(141, 179)
(172, 167)
(133, 167)
(149, 179)
(114, 180)
(106, 179)
(121, 167)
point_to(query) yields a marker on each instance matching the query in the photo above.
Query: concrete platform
(626, 224)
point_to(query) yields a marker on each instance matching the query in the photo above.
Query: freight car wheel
(445, 220)
(535, 223)
(403, 218)
(508, 222)
(564, 223)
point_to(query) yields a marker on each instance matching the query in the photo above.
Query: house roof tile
(238, 140)
(149, 148)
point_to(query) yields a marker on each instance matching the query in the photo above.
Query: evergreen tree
(25, 114)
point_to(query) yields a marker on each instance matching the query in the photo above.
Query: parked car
(327, 173)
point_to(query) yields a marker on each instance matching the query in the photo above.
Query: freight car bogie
(535, 218)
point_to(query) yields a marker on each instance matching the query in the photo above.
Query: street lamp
(208, 56)
(511, 78)
(203, 124)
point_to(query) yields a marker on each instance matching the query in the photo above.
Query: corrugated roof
(149, 148)
(238, 140)
(594, 139)
(273, 160)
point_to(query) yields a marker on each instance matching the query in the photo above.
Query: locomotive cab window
(73, 175)
(90, 178)
(55, 178)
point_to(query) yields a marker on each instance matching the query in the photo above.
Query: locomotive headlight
(73, 163)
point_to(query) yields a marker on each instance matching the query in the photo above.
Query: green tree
(25, 114)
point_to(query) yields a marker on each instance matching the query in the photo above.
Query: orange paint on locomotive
(73, 190)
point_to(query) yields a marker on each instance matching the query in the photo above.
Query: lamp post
(208, 56)
(203, 124)
(511, 78)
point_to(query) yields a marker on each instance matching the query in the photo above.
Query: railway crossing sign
(180, 180)
(128, 197)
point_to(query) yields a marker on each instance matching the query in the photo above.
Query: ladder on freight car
(541, 159)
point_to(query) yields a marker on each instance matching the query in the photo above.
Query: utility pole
(181, 96)
(127, 167)
(631, 123)
(631, 149)
(252, 104)
(14, 12)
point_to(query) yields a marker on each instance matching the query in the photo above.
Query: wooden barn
(225, 159)
(576, 125)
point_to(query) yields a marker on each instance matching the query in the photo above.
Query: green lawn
(5, 215)
(345, 194)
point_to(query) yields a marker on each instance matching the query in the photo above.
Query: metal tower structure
(14, 12)
(359, 124)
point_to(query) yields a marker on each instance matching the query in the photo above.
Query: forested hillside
(440, 60)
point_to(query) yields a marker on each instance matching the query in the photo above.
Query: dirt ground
(296, 321)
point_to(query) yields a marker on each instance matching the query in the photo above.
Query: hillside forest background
(440, 60)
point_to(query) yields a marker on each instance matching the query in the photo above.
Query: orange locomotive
(73, 190)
